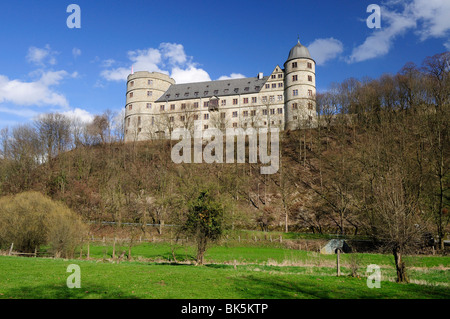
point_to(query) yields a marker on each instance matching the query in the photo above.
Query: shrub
(30, 220)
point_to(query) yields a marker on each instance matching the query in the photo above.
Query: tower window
(309, 65)
(132, 83)
(131, 94)
(294, 106)
(235, 101)
(294, 64)
(254, 99)
(206, 116)
(139, 120)
(245, 100)
(235, 114)
(172, 107)
(310, 106)
(130, 107)
(149, 105)
(294, 92)
(310, 93)
(161, 107)
(310, 78)
(150, 82)
(149, 93)
(294, 78)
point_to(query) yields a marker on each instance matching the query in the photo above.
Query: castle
(285, 99)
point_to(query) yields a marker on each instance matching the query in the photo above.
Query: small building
(333, 245)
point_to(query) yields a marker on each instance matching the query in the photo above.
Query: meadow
(250, 271)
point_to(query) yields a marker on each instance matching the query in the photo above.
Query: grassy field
(258, 272)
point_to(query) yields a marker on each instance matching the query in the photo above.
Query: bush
(30, 220)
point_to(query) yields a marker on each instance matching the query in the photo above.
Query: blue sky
(47, 67)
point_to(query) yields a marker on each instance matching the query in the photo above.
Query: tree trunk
(201, 248)
(400, 266)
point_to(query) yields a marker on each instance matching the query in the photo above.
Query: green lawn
(22, 277)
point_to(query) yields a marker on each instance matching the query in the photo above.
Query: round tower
(143, 89)
(299, 88)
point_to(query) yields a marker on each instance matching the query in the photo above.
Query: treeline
(376, 165)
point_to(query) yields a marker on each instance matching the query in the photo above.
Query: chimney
(260, 75)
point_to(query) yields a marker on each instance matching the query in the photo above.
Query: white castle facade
(155, 104)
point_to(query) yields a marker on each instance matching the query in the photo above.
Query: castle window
(216, 91)
(272, 111)
(128, 124)
(222, 115)
(172, 107)
(294, 92)
(274, 85)
(177, 95)
(130, 107)
(273, 76)
(294, 106)
(310, 106)
(195, 104)
(161, 107)
(150, 82)
(280, 97)
(196, 93)
(245, 100)
(223, 102)
(294, 64)
(234, 124)
(186, 94)
(195, 117)
(206, 116)
(295, 117)
(235, 101)
(131, 94)
(272, 98)
(310, 117)
(245, 124)
(245, 113)
(257, 88)
(153, 120)
(267, 86)
(236, 90)
(310, 78)
(264, 98)
(235, 114)
(205, 127)
(254, 99)
(280, 76)
(310, 93)
(171, 119)
(294, 78)
(265, 112)
(246, 88)
(253, 113)
(149, 93)
(225, 91)
(149, 105)
(139, 120)
(139, 130)
(280, 85)
(205, 93)
(309, 65)
(280, 110)
(183, 106)
(265, 123)
(132, 83)
(182, 118)
(205, 104)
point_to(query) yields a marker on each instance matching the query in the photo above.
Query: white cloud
(447, 45)
(79, 114)
(190, 74)
(39, 92)
(174, 53)
(428, 18)
(169, 58)
(323, 50)
(231, 76)
(76, 52)
(41, 56)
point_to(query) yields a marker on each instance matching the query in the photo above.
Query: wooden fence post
(338, 262)
(11, 249)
